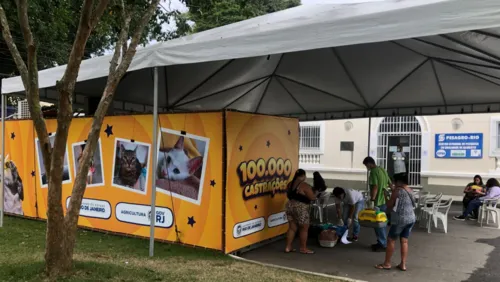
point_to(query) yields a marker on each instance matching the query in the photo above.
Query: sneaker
(473, 218)
(354, 238)
(378, 248)
(460, 217)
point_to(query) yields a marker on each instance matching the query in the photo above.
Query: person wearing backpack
(402, 216)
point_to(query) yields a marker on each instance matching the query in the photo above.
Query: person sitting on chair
(473, 191)
(493, 192)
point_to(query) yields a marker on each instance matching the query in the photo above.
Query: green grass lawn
(103, 257)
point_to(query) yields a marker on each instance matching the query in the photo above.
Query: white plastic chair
(322, 202)
(441, 212)
(421, 196)
(426, 214)
(426, 206)
(489, 208)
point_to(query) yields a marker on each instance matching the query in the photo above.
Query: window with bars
(310, 137)
(498, 135)
(23, 111)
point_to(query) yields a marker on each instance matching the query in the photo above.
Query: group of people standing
(398, 205)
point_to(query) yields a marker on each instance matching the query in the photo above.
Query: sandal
(307, 252)
(401, 268)
(382, 267)
(290, 251)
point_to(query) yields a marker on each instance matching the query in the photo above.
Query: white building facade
(337, 148)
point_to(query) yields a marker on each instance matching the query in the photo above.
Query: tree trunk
(61, 229)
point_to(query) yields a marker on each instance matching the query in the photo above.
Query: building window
(495, 136)
(311, 136)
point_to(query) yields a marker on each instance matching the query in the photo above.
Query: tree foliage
(55, 22)
(208, 14)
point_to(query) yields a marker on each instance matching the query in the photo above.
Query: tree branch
(136, 37)
(29, 74)
(121, 44)
(99, 10)
(115, 75)
(67, 83)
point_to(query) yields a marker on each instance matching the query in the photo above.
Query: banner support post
(155, 160)
(2, 172)
(369, 141)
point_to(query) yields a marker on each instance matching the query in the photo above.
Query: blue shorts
(402, 231)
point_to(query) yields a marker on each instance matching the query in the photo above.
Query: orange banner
(118, 194)
(19, 195)
(262, 155)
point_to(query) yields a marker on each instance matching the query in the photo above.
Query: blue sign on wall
(459, 146)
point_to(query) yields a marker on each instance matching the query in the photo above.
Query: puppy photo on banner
(13, 190)
(41, 166)
(95, 176)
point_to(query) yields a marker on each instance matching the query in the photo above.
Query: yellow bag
(372, 218)
(477, 188)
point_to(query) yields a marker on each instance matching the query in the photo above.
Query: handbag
(394, 217)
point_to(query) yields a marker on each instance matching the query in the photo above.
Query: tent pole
(155, 160)
(2, 172)
(368, 153)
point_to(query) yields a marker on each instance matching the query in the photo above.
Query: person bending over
(353, 203)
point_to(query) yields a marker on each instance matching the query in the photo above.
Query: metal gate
(405, 127)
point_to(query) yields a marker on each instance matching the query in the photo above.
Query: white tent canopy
(322, 61)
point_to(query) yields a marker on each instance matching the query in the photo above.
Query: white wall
(335, 164)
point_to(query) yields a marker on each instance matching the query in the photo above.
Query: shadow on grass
(21, 235)
(22, 245)
(88, 271)
(89, 242)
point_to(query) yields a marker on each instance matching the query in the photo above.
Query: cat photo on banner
(130, 165)
(41, 166)
(182, 162)
(95, 176)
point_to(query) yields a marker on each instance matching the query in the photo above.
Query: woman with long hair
(401, 205)
(472, 191)
(492, 192)
(300, 194)
(319, 184)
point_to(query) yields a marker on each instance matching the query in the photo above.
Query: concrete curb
(295, 270)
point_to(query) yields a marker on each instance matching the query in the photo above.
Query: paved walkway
(466, 253)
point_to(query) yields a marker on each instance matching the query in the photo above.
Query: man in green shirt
(379, 182)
